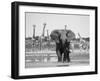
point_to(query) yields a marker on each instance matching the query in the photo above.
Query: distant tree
(28, 38)
(37, 38)
(87, 39)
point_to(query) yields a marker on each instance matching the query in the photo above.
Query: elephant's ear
(55, 35)
(70, 35)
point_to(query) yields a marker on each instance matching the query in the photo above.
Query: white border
(53, 70)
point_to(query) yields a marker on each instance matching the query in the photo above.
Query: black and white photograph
(56, 40)
(51, 40)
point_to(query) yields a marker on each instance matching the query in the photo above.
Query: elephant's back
(58, 31)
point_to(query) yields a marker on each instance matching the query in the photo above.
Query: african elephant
(62, 39)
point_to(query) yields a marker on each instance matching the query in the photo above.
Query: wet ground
(35, 60)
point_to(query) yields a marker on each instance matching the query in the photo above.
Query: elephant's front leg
(59, 55)
(66, 56)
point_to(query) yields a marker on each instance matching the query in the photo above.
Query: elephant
(62, 39)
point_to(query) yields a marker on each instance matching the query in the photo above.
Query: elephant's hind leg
(68, 57)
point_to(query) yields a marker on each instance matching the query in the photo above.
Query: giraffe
(84, 45)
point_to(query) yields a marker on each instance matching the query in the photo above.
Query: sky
(76, 23)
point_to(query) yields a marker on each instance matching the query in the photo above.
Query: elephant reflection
(62, 39)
